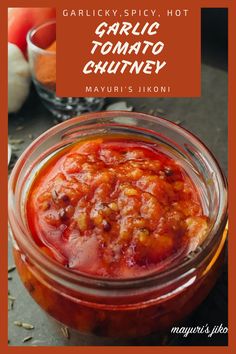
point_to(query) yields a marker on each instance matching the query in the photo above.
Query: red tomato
(21, 20)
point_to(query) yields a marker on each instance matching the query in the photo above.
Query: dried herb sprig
(26, 339)
(65, 332)
(12, 300)
(11, 268)
(24, 325)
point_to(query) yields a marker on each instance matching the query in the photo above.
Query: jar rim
(181, 269)
(31, 33)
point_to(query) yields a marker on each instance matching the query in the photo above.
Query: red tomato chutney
(115, 207)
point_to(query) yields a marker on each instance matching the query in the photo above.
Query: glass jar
(41, 43)
(116, 307)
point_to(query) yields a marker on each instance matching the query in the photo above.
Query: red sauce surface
(115, 207)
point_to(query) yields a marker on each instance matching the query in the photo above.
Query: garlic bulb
(18, 78)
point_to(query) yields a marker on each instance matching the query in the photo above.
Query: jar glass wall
(41, 42)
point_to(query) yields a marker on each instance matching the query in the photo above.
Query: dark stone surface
(207, 118)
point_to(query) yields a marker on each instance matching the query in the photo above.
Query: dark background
(207, 118)
(215, 37)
